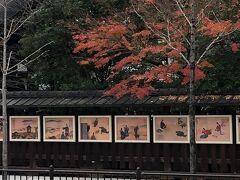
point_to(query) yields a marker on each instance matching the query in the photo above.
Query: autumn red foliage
(235, 47)
(126, 48)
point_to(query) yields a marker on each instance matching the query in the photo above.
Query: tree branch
(208, 47)
(29, 56)
(222, 34)
(166, 19)
(1, 4)
(181, 54)
(20, 23)
(168, 32)
(10, 1)
(215, 16)
(183, 13)
(25, 64)
(164, 16)
(10, 28)
(149, 27)
(202, 11)
(161, 35)
(9, 59)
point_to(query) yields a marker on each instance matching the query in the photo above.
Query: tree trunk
(192, 119)
(5, 131)
(192, 157)
(4, 96)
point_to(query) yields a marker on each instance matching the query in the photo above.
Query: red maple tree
(124, 45)
(182, 31)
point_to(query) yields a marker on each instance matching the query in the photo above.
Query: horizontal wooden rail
(137, 174)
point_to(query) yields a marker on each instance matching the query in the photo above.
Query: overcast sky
(13, 7)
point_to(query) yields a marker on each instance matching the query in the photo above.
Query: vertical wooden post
(138, 173)
(51, 172)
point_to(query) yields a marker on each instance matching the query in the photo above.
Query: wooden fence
(149, 156)
(125, 156)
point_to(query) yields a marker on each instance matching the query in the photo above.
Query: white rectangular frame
(132, 141)
(24, 140)
(95, 116)
(178, 142)
(215, 142)
(59, 140)
(237, 131)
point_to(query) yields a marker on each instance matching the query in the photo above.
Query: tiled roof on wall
(97, 99)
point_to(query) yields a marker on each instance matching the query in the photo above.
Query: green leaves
(58, 70)
(225, 76)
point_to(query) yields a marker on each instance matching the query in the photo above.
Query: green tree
(225, 76)
(56, 22)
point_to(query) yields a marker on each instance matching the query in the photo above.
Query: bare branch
(230, 32)
(170, 44)
(9, 59)
(10, 28)
(25, 64)
(162, 35)
(168, 20)
(183, 13)
(10, 1)
(215, 16)
(213, 42)
(202, 12)
(1, 4)
(168, 32)
(181, 54)
(21, 22)
(208, 47)
(29, 56)
(158, 10)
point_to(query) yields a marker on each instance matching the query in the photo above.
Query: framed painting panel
(59, 128)
(213, 129)
(94, 129)
(171, 129)
(24, 128)
(132, 129)
(238, 129)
